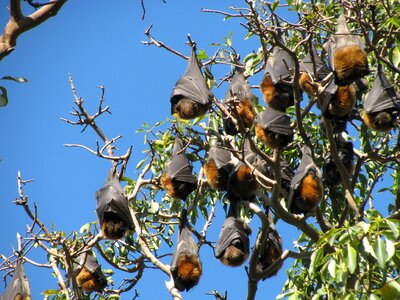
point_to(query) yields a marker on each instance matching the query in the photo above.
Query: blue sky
(99, 43)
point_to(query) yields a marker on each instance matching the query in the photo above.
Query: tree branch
(18, 23)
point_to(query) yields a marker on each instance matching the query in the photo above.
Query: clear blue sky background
(99, 43)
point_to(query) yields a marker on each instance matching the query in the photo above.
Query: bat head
(186, 267)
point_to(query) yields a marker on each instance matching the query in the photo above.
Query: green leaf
(140, 163)
(395, 21)
(367, 246)
(202, 55)
(3, 96)
(351, 259)
(390, 290)
(275, 5)
(84, 228)
(228, 40)
(380, 252)
(316, 259)
(49, 292)
(394, 228)
(350, 297)
(364, 226)
(16, 79)
(390, 248)
(332, 268)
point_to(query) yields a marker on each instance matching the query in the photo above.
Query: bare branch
(18, 23)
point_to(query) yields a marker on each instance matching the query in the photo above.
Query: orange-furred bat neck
(311, 190)
(189, 270)
(350, 63)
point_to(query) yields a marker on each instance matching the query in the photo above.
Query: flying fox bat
(245, 107)
(88, 273)
(273, 128)
(112, 208)
(337, 101)
(218, 167)
(381, 105)
(178, 179)
(242, 182)
(307, 71)
(191, 96)
(347, 56)
(271, 250)
(186, 266)
(233, 243)
(306, 186)
(276, 87)
(346, 155)
(18, 289)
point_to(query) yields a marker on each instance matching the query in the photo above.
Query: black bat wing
(186, 245)
(275, 121)
(232, 229)
(306, 164)
(249, 154)
(327, 95)
(88, 261)
(283, 65)
(192, 85)
(179, 168)
(269, 70)
(321, 68)
(287, 170)
(382, 95)
(18, 285)
(239, 87)
(110, 198)
(222, 157)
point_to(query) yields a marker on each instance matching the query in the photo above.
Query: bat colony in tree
(225, 172)
(231, 173)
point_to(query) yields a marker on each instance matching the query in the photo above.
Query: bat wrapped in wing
(271, 251)
(112, 208)
(382, 104)
(347, 56)
(273, 128)
(233, 243)
(186, 267)
(308, 71)
(218, 166)
(88, 273)
(337, 101)
(18, 288)
(346, 155)
(178, 179)
(276, 87)
(242, 182)
(191, 96)
(245, 107)
(306, 189)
